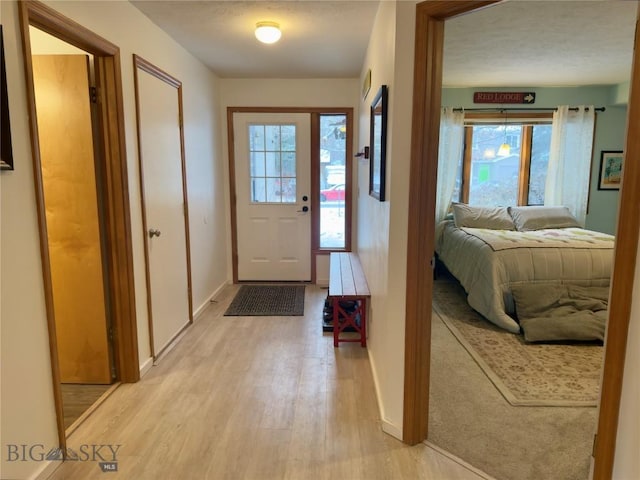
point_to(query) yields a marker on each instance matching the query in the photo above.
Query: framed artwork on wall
(6, 150)
(610, 169)
(378, 143)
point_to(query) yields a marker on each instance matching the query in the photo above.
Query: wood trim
(56, 24)
(508, 115)
(315, 183)
(185, 196)
(622, 285)
(111, 114)
(427, 80)
(145, 225)
(314, 113)
(42, 225)
(466, 164)
(116, 194)
(232, 191)
(525, 164)
(422, 203)
(157, 72)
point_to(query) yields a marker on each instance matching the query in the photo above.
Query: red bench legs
(350, 320)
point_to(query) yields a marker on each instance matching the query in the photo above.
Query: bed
(492, 250)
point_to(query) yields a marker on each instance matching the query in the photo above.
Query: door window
(272, 154)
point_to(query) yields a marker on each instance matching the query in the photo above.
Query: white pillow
(494, 218)
(537, 218)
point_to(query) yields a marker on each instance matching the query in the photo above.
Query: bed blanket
(489, 264)
(561, 312)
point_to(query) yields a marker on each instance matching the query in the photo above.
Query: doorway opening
(111, 264)
(427, 98)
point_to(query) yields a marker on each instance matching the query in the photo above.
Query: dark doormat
(267, 301)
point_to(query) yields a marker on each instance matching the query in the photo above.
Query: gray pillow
(537, 218)
(494, 218)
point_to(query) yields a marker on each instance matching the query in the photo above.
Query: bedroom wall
(609, 133)
(272, 92)
(28, 415)
(382, 226)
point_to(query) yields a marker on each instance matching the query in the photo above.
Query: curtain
(570, 160)
(449, 158)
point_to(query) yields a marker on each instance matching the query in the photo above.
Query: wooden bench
(347, 284)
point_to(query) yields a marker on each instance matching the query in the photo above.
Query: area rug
(525, 374)
(267, 301)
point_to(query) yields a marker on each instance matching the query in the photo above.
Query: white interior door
(164, 203)
(272, 178)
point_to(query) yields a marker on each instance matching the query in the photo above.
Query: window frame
(527, 121)
(316, 249)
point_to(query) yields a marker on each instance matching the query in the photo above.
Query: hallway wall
(28, 415)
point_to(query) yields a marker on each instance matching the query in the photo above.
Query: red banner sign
(504, 97)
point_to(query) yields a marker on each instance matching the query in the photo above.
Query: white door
(272, 177)
(164, 208)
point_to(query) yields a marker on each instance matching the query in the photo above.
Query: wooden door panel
(61, 85)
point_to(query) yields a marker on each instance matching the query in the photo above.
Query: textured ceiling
(320, 39)
(541, 43)
(516, 43)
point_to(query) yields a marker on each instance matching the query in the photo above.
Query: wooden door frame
(153, 70)
(116, 193)
(429, 40)
(315, 189)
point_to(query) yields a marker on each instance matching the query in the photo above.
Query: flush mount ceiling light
(268, 32)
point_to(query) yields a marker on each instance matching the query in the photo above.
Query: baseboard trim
(201, 309)
(170, 345)
(387, 426)
(45, 471)
(391, 429)
(146, 366)
(458, 460)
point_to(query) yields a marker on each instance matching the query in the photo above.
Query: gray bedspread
(488, 263)
(561, 312)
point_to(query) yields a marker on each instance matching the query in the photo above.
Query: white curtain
(449, 158)
(570, 160)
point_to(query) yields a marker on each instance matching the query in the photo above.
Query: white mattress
(488, 262)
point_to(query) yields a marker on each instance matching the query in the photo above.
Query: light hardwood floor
(254, 398)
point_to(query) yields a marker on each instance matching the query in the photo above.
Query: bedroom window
(490, 176)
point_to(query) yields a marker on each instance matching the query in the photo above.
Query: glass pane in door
(333, 154)
(272, 157)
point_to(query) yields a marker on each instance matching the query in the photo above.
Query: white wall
(382, 226)
(325, 92)
(27, 400)
(627, 460)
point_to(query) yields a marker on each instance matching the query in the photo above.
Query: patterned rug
(267, 301)
(525, 374)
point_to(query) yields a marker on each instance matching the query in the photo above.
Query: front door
(272, 154)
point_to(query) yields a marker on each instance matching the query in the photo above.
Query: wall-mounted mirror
(377, 157)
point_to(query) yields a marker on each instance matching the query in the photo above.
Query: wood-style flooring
(254, 398)
(78, 398)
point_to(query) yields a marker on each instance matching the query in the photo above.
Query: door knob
(304, 209)
(154, 233)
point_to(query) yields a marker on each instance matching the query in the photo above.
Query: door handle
(304, 209)
(154, 233)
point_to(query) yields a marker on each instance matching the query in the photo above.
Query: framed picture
(378, 142)
(610, 170)
(6, 152)
(366, 84)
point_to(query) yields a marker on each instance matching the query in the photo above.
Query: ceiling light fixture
(268, 32)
